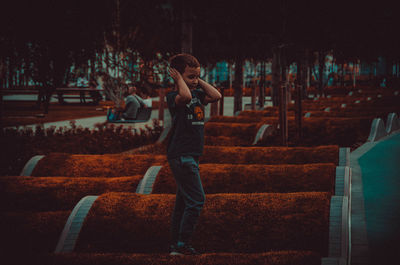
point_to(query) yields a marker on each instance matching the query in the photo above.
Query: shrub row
(18, 146)
(228, 178)
(326, 131)
(57, 193)
(111, 165)
(267, 258)
(241, 223)
(25, 233)
(244, 130)
(117, 165)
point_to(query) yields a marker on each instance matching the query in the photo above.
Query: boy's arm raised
(212, 94)
(184, 96)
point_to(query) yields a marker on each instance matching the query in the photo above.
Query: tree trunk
(342, 75)
(161, 105)
(321, 60)
(283, 122)
(354, 74)
(305, 74)
(298, 85)
(230, 75)
(253, 95)
(261, 98)
(2, 76)
(237, 86)
(283, 99)
(221, 102)
(187, 27)
(276, 78)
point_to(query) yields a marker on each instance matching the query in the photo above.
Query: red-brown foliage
(267, 258)
(24, 233)
(270, 155)
(113, 165)
(245, 130)
(251, 223)
(345, 132)
(18, 146)
(228, 178)
(56, 193)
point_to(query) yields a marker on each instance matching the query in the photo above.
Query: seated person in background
(146, 99)
(132, 104)
(96, 87)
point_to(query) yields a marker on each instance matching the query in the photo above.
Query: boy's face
(191, 76)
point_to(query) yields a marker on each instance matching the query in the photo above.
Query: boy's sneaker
(183, 250)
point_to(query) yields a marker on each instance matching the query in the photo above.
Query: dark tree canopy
(221, 29)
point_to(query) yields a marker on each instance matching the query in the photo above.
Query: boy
(186, 145)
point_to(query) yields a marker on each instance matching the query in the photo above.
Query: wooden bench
(78, 93)
(19, 91)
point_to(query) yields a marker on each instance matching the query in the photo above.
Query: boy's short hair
(180, 61)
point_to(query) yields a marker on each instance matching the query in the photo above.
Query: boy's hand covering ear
(174, 74)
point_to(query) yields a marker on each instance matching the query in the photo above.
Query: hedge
(266, 258)
(256, 155)
(237, 119)
(112, 165)
(24, 233)
(247, 131)
(345, 132)
(246, 223)
(56, 193)
(350, 114)
(267, 112)
(19, 145)
(228, 178)
(227, 141)
(270, 155)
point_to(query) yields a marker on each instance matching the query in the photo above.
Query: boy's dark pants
(190, 197)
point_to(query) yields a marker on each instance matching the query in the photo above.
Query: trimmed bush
(268, 258)
(267, 112)
(19, 145)
(113, 165)
(349, 114)
(227, 141)
(270, 155)
(246, 223)
(237, 119)
(25, 233)
(243, 130)
(228, 178)
(345, 132)
(56, 193)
